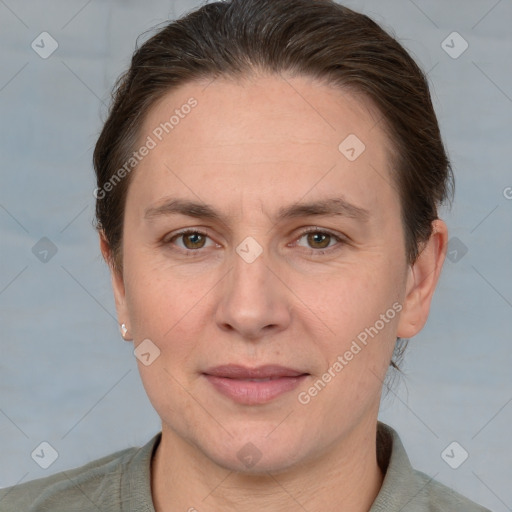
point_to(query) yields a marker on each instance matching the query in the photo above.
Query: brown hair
(316, 38)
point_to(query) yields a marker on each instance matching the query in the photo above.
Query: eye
(320, 240)
(192, 239)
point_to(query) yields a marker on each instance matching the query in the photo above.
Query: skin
(248, 148)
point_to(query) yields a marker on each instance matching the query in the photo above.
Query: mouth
(251, 386)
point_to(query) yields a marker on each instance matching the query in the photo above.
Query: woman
(268, 181)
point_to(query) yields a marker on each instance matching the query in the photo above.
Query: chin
(256, 454)
(258, 466)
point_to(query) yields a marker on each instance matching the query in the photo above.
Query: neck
(347, 476)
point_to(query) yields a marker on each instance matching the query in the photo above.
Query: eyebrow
(331, 206)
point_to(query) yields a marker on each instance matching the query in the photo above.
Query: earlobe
(422, 280)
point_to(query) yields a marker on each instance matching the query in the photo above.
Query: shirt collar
(401, 483)
(399, 488)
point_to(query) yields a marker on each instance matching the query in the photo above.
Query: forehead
(264, 137)
(298, 107)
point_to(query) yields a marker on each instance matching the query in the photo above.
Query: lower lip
(254, 392)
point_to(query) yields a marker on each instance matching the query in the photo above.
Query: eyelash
(311, 252)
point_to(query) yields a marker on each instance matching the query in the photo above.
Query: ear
(422, 279)
(117, 281)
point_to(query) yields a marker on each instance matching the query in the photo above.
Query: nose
(254, 302)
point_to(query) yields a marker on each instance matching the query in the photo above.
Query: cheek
(362, 308)
(166, 310)
(171, 308)
(353, 298)
(160, 303)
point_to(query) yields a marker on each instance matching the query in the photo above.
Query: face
(271, 322)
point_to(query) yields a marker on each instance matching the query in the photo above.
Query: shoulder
(437, 497)
(74, 489)
(406, 489)
(96, 485)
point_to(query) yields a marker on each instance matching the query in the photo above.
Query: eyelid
(318, 229)
(183, 231)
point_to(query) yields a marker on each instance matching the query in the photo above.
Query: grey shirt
(120, 482)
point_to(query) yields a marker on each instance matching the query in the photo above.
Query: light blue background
(66, 376)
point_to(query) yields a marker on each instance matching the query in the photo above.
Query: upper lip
(234, 371)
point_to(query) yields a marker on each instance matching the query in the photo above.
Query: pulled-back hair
(314, 38)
